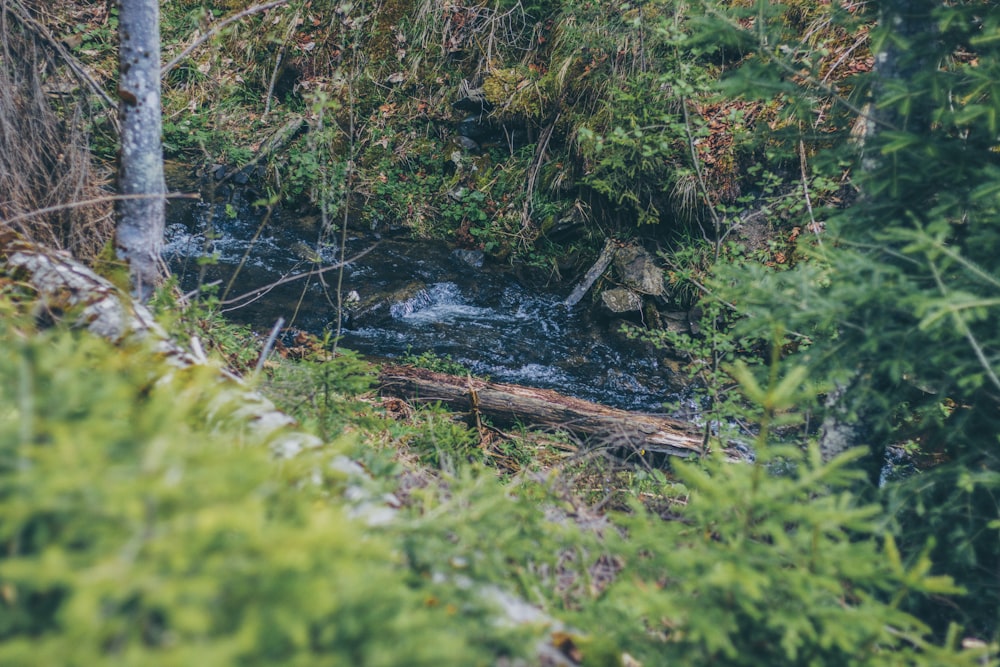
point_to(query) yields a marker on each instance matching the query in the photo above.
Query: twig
(348, 186)
(814, 227)
(215, 30)
(277, 66)
(964, 328)
(260, 291)
(536, 166)
(96, 200)
(246, 253)
(193, 293)
(24, 16)
(717, 223)
(269, 344)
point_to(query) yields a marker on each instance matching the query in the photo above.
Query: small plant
(435, 362)
(197, 546)
(324, 391)
(439, 440)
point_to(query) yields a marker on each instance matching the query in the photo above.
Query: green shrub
(143, 522)
(768, 568)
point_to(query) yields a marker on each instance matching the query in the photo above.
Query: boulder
(621, 300)
(473, 258)
(638, 271)
(478, 128)
(376, 308)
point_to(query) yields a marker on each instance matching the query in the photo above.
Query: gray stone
(473, 258)
(639, 271)
(478, 128)
(373, 309)
(620, 300)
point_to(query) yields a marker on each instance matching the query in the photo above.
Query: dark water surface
(415, 297)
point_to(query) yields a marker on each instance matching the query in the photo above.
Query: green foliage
(237, 345)
(135, 532)
(774, 563)
(435, 362)
(637, 145)
(899, 303)
(322, 392)
(439, 439)
(954, 508)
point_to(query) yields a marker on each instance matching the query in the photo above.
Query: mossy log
(506, 404)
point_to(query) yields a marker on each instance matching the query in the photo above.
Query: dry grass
(44, 156)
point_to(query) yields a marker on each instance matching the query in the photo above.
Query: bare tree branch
(97, 200)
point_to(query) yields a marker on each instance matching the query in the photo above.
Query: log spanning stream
(406, 297)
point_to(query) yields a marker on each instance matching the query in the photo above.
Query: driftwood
(509, 403)
(599, 267)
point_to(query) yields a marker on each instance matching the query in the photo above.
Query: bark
(507, 404)
(599, 267)
(139, 239)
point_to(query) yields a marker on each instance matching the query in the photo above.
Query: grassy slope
(602, 105)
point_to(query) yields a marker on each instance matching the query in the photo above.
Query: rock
(474, 102)
(694, 319)
(477, 128)
(471, 99)
(676, 321)
(621, 300)
(639, 271)
(467, 144)
(681, 321)
(473, 258)
(373, 309)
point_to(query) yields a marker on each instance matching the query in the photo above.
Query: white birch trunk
(139, 238)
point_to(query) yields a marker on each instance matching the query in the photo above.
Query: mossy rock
(515, 91)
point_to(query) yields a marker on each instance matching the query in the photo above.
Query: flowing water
(412, 297)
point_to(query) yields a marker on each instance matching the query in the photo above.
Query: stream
(410, 297)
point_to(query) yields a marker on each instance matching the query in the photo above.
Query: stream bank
(406, 297)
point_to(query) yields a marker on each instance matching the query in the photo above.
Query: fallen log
(506, 404)
(595, 271)
(100, 307)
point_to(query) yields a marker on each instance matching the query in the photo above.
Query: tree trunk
(507, 404)
(139, 239)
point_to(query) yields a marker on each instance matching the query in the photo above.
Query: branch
(260, 291)
(964, 328)
(24, 16)
(96, 200)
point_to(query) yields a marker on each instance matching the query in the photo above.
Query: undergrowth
(394, 542)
